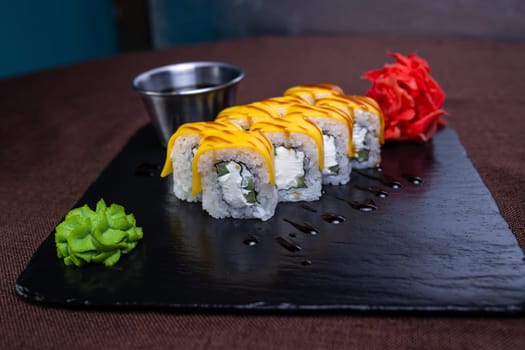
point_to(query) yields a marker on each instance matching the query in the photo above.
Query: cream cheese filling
(358, 136)
(289, 168)
(329, 155)
(235, 184)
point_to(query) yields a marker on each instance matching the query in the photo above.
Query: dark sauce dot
(333, 218)
(381, 194)
(384, 179)
(251, 241)
(415, 180)
(364, 206)
(288, 245)
(309, 208)
(147, 169)
(370, 205)
(306, 262)
(374, 190)
(394, 184)
(305, 228)
(291, 234)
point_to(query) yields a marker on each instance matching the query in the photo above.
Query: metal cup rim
(182, 65)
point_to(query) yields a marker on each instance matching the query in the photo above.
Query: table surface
(60, 128)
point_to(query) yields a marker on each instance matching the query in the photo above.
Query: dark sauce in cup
(186, 88)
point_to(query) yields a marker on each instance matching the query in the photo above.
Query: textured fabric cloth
(59, 128)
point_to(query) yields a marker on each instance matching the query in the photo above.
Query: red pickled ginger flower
(410, 98)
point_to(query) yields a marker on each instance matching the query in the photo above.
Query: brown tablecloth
(59, 128)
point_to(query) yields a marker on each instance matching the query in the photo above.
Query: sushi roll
(367, 135)
(298, 156)
(313, 92)
(181, 149)
(235, 172)
(336, 127)
(246, 115)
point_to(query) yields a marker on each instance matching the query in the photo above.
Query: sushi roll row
(275, 150)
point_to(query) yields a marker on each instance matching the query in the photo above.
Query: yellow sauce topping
(350, 103)
(228, 139)
(282, 103)
(249, 113)
(293, 123)
(369, 104)
(313, 92)
(197, 128)
(325, 111)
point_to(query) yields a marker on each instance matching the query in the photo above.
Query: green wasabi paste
(99, 236)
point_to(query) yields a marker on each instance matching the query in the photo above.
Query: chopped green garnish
(334, 169)
(362, 155)
(222, 169)
(250, 197)
(249, 187)
(99, 236)
(247, 184)
(300, 181)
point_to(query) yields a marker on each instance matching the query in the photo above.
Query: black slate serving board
(437, 243)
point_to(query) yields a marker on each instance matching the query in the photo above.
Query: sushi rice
(237, 179)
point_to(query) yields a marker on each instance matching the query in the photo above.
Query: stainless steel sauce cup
(186, 92)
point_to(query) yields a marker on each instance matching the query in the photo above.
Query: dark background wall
(178, 22)
(40, 34)
(36, 35)
(185, 21)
